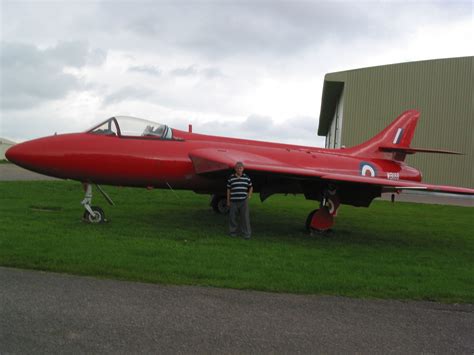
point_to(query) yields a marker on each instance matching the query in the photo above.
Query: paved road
(54, 313)
(11, 172)
(431, 198)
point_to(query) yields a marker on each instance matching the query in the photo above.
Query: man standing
(239, 191)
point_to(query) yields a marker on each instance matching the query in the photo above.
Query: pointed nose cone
(17, 154)
(49, 155)
(32, 155)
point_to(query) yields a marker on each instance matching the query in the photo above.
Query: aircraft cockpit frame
(132, 127)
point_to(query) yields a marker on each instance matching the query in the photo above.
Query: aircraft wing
(210, 160)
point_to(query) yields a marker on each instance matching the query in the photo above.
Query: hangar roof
(334, 84)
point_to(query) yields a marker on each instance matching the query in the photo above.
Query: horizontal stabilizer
(407, 150)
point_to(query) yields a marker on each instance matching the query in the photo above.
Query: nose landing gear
(96, 216)
(93, 214)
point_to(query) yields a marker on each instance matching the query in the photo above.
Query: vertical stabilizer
(398, 135)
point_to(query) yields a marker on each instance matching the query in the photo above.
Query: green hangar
(357, 104)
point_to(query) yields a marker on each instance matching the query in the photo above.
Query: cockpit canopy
(126, 126)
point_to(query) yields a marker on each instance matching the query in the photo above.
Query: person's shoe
(246, 237)
(233, 235)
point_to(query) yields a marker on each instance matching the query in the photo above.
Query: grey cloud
(36, 122)
(258, 123)
(237, 36)
(296, 130)
(192, 70)
(212, 73)
(305, 123)
(218, 29)
(73, 54)
(128, 93)
(273, 29)
(144, 24)
(146, 69)
(187, 71)
(185, 97)
(97, 57)
(31, 76)
(223, 29)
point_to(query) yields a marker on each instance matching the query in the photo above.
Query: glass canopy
(127, 126)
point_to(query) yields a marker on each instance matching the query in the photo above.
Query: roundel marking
(367, 170)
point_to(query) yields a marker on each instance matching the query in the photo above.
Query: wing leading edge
(210, 160)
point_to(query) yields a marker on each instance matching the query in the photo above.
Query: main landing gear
(93, 214)
(318, 221)
(321, 220)
(219, 204)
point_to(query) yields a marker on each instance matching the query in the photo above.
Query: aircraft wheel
(308, 220)
(219, 204)
(315, 231)
(98, 217)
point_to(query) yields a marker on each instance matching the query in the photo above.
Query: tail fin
(391, 143)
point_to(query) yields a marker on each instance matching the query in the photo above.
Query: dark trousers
(239, 215)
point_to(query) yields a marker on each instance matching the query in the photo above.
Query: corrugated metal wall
(443, 92)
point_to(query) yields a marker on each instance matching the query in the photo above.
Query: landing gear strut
(322, 219)
(93, 214)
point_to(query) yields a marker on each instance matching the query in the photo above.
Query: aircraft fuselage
(151, 162)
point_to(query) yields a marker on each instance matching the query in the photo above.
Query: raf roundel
(367, 169)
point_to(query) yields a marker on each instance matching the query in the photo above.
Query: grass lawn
(400, 251)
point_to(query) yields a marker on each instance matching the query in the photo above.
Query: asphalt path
(11, 172)
(55, 313)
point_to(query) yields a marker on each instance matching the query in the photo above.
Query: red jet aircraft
(128, 151)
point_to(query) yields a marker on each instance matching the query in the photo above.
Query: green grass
(400, 251)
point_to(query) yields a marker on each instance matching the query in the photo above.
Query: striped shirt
(239, 187)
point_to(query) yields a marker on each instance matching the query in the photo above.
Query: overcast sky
(250, 69)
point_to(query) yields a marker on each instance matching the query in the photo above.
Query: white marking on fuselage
(367, 169)
(393, 176)
(399, 131)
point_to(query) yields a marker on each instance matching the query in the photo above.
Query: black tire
(98, 217)
(308, 220)
(219, 204)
